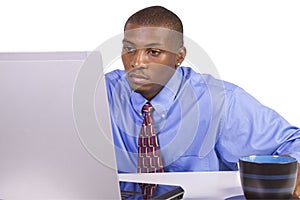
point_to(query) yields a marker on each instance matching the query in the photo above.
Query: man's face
(150, 57)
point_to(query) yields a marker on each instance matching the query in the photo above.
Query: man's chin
(139, 88)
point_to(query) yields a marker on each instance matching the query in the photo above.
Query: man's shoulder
(209, 80)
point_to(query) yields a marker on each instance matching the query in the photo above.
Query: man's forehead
(152, 37)
(151, 31)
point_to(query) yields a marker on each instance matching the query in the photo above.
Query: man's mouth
(137, 78)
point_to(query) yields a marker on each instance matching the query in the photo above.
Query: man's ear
(181, 53)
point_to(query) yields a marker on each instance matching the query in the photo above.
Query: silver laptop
(55, 134)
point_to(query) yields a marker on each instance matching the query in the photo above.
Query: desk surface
(197, 185)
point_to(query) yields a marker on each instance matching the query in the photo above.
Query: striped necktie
(149, 159)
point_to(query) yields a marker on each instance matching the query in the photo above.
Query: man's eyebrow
(154, 44)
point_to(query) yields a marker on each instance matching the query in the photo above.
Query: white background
(254, 44)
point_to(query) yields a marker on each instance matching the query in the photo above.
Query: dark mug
(268, 176)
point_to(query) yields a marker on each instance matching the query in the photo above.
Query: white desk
(197, 185)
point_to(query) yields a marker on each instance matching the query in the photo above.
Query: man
(201, 123)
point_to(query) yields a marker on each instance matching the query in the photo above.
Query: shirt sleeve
(252, 128)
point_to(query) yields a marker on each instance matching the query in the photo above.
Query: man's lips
(137, 78)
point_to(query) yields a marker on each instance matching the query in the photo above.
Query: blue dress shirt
(202, 123)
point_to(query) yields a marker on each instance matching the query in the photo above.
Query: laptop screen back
(47, 148)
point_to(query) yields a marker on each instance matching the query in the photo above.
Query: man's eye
(154, 52)
(129, 49)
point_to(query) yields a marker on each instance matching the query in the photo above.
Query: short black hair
(156, 16)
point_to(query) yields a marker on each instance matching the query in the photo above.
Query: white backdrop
(254, 44)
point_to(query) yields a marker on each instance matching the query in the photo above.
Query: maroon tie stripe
(148, 190)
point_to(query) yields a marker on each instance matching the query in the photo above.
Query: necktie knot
(147, 108)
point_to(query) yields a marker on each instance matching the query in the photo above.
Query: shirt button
(163, 116)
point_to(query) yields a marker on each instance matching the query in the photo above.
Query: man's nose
(138, 59)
